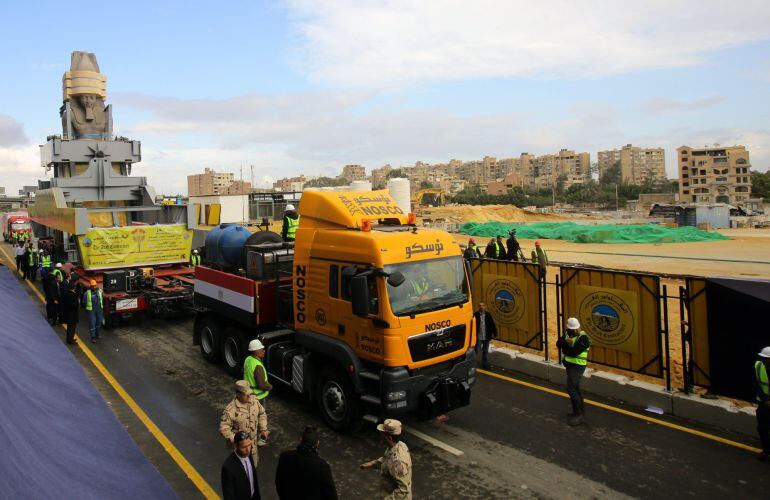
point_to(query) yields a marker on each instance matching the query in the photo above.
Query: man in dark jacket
(575, 346)
(290, 223)
(302, 474)
(239, 474)
(514, 248)
(486, 330)
(51, 289)
(472, 251)
(68, 311)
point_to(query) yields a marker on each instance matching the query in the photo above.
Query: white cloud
(666, 105)
(19, 166)
(382, 43)
(11, 132)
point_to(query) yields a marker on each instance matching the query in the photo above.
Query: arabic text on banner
(103, 248)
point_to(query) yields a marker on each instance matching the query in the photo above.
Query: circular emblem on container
(87, 242)
(608, 318)
(320, 317)
(507, 301)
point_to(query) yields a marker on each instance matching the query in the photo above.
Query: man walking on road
(18, 252)
(761, 371)
(254, 371)
(396, 465)
(244, 414)
(486, 330)
(69, 311)
(93, 300)
(32, 262)
(239, 472)
(575, 346)
(302, 474)
(51, 288)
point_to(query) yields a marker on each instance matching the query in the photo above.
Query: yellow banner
(609, 316)
(105, 248)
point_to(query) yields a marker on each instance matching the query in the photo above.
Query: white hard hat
(573, 324)
(58, 265)
(289, 207)
(765, 352)
(195, 252)
(255, 345)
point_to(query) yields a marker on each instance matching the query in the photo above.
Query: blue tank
(224, 245)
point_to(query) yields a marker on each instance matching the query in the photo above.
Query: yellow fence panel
(699, 333)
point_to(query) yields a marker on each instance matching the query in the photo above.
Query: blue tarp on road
(58, 437)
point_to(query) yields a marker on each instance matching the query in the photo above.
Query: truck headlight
(396, 395)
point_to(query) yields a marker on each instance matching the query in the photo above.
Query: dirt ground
(746, 255)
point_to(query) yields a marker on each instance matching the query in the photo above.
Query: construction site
(128, 321)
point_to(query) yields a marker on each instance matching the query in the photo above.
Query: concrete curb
(715, 412)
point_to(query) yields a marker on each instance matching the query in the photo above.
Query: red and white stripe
(225, 287)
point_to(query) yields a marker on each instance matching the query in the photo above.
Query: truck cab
(380, 318)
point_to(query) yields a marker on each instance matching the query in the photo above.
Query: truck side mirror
(396, 279)
(359, 292)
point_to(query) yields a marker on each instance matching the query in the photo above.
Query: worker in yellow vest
(540, 258)
(93, 301)
(575, 346)
(290, 223)
(195, 259)
(254, 371)
(763, 401)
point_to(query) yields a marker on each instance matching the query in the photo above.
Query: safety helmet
(290, 207)
(255, 345)
(537, 244)
(58, 265)
(195, 251)
(471, 240)
(765, 352)
(92, 282)
(573, 324)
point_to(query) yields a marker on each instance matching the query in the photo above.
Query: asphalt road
(514, 439)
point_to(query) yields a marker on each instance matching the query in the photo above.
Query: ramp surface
(57, 435)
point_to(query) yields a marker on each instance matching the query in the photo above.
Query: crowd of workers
(509, 249)
(301, 473)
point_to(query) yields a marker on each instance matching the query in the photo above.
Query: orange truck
(365, 314)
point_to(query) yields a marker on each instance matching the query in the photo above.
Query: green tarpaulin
(604, 233)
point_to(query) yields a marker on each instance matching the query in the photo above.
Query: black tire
(233, 352)
(337, 400)
(264, 237)
(210, 339)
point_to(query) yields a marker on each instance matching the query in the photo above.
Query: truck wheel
(210, 340)
(338, 401)
(233, 352)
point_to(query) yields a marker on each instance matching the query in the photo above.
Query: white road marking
(435, 442)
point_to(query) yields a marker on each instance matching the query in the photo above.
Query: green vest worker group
(254, 371)
(290, 223)
(761, 366)
(575, 346)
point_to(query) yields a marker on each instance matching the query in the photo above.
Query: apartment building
(380, 176)
(208, 183)
(574, 168)
(714, 175)
(353, 173)
(637, 165)
(503, 186)
(290, 184)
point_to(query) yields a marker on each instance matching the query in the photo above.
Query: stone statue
(84, 115)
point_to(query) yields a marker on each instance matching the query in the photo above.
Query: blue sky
(307, 86)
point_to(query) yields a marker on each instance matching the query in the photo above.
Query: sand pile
(486, 213)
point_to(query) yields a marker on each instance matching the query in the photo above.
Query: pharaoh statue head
(84, 115)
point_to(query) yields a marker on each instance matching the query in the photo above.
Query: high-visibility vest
(761, 373)
(421, 286)
(249, 366)
(89, 304)
(291, 230)
(475, 248)
(195, 260)
(536, 260)
(32, 260)
(57, 272)
(45, 261)
(582, 358)
(500, 249)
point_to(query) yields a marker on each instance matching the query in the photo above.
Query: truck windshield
(18, 226)
(429, 285)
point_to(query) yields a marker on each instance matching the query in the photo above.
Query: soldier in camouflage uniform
(395, 465)
(244, 413)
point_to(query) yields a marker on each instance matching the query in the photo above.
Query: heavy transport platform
(511, 442)
(58, 436)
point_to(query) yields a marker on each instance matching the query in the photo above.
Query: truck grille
(436, 343)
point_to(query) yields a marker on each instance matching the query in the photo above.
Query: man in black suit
(302, 474)
(239, 474)
(486, 330)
